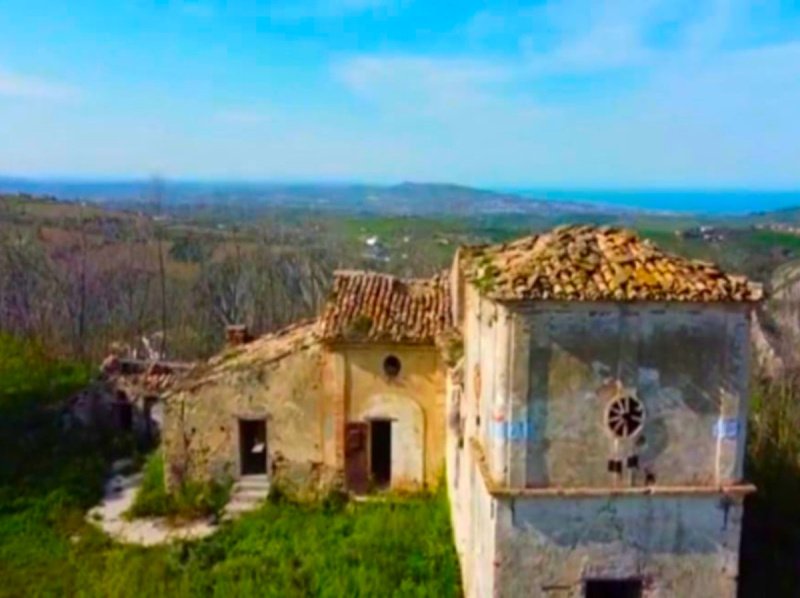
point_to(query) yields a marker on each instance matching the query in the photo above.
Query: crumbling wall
(538, 378)
(688, 365)
(677, 546)
(200, 437)
(473, 401)
(487, 369)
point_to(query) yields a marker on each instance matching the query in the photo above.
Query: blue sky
(638, 93)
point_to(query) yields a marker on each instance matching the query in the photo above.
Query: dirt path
(118, 497)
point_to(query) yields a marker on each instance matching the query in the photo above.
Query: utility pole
(157, 198)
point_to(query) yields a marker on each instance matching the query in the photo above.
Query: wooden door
(356, 463)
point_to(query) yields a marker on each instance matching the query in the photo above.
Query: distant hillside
(402, 199)
(784, 216)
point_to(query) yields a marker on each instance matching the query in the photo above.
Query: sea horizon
(688, 200)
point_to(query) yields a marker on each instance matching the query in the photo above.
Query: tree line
(79, 289)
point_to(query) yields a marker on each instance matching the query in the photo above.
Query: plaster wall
(414, 401)
(687, 364)
(487, 371)
(678, 546)
(472, 408)
(536, 381)
(200, 436)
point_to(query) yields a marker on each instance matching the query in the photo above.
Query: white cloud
(446, 88)
(14, 85)
(697, 112)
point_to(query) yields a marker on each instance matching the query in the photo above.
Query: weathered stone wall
(484, 370)
(678, 546)
(200, 437)
(687, 364)
(306, 395)
(487, 367)
(537, 381)
(414, 400)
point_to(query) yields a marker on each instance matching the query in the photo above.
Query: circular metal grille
(625, 416)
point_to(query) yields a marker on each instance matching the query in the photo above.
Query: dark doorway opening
(381, 452)
(614, 588)
(253, 446)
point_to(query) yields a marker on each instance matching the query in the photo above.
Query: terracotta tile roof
(588, 263)
(368, 306)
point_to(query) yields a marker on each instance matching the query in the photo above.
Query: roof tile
(590, 263)
(369, 306)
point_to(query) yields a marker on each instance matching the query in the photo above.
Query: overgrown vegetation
(770, 564)
(49, 478)
(192, 500)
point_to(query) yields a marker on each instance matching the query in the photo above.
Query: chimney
(236, 335)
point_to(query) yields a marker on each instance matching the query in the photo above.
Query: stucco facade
(413, 401)
(284, 389)
(547, 497)
(307, 395)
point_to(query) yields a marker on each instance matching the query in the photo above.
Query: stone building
(586, 391)
(356, 397)
(599, 431)
(126, 396)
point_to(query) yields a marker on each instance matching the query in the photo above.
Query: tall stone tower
(597, 422)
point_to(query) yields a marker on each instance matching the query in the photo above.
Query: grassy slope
(48, 479)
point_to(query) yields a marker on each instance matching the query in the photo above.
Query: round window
(625, 416)
(391, 366)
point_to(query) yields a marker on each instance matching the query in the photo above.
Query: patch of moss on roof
(590, 263)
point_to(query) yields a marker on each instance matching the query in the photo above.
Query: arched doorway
(394, 451)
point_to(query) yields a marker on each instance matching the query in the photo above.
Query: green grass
(49, 478)
(193, 500)
(771, 238)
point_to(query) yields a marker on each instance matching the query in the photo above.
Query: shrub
(771, 533)
(192, 500)
(152, 499)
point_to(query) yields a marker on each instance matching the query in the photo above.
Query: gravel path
(118, 497)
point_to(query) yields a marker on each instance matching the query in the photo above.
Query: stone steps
(247, 494)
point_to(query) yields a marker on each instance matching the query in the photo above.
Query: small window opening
(615, 466)
(613, 588)
(633, 462)
(391, 366)
(625, 416)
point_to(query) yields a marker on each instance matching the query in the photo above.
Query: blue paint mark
(726, 429)
(514, 430)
